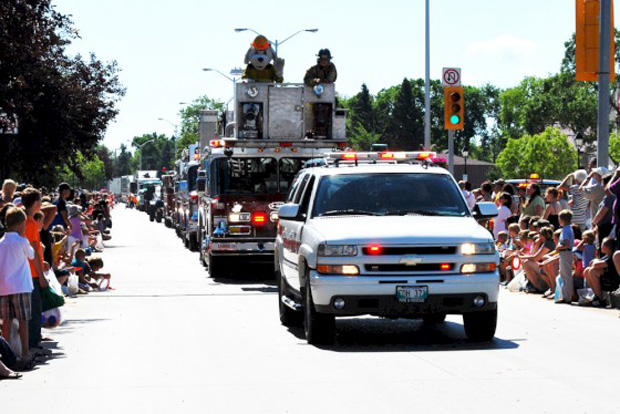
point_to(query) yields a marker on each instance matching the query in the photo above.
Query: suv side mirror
(289, 211)
(485, 210)
(201, 184)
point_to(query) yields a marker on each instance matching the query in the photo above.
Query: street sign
(451, 77)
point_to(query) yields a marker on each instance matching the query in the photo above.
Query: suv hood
(432, 230)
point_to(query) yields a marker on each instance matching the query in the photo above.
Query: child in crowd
(532, 262)
(602, 274)
(15, 278)
(551, 266)
(524, 222)
(102, 279)
(82, 269)
(502, 241)
(565, 247)
(585, 252)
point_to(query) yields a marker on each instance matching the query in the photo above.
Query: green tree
(156, 154)
(362, 139)
(190, 121)
(63, 103)
(361, 110)
(531, 154)
(84, 172)
(122, 162)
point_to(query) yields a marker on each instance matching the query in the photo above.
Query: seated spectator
(524, 222)
(82, 269)
(102, 279)
(602, 274)
(550, 267)
(532, 262)
(502, 241)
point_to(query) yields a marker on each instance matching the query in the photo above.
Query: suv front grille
(422, 267)
(421, 250)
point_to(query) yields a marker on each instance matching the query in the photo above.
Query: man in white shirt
(15, 278)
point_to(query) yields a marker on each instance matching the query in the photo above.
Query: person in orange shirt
(31, 199)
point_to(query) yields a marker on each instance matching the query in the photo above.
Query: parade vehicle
(167, 196)
(387, 234)
(534, 178)
(248, 170)
(186, 197)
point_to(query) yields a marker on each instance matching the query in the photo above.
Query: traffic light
(453, 107)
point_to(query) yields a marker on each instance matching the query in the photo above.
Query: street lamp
(234, 80)
(140, 149)
(276, 42)
(578, 144)
(465, 155)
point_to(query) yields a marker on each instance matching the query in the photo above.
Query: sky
(161, 46)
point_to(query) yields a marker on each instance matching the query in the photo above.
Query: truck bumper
(237, 247)
(377, 295)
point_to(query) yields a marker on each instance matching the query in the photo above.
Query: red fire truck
(244, 177)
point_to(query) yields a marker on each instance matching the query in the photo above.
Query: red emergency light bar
(216, 143)
(386, 155)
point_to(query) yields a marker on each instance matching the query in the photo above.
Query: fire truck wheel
(288, 317)
(193, 243)
(215, 266)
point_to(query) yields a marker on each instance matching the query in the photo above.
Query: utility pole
(427, 84)
(603, 84)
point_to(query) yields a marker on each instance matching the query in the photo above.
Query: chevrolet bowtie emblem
(411, 260)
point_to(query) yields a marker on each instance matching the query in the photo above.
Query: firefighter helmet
(260, 43)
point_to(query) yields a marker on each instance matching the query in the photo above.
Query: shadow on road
(403, 335)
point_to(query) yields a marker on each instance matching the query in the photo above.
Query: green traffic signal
(455, 119)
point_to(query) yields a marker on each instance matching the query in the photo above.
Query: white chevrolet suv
(391, 240)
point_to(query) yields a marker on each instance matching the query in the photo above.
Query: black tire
(151, 217)
(434, 318)
(320, 328)
(193, 243)
(214, 265)
(158, 217)
(480, 326)
(288, 317)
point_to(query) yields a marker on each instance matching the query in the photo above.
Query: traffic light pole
(603, 85)
(451, 151)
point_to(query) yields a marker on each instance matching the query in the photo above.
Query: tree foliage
(190, 120)
(63, 104)
(530, 154)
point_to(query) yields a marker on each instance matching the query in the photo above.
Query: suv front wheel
(320, 328)
(480, 326)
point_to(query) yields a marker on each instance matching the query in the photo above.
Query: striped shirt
(580, 206)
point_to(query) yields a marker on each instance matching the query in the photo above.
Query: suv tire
(288, 317)
(480, 326)
(434, 318)
(320, 328)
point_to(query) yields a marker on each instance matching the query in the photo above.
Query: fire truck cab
(247, 170)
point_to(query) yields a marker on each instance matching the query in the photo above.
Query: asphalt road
(170, 339)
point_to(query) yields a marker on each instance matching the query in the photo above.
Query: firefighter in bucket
(258, 59)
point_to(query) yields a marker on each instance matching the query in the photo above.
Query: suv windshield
(389, 194)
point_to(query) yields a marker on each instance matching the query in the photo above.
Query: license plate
(411, 293)
(224, 246)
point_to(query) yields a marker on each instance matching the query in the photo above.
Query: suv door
(292, 233)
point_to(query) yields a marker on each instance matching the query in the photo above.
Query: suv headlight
(469, 249)
(337, 250)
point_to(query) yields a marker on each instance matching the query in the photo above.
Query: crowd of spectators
(561, 243)
(48, 239)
